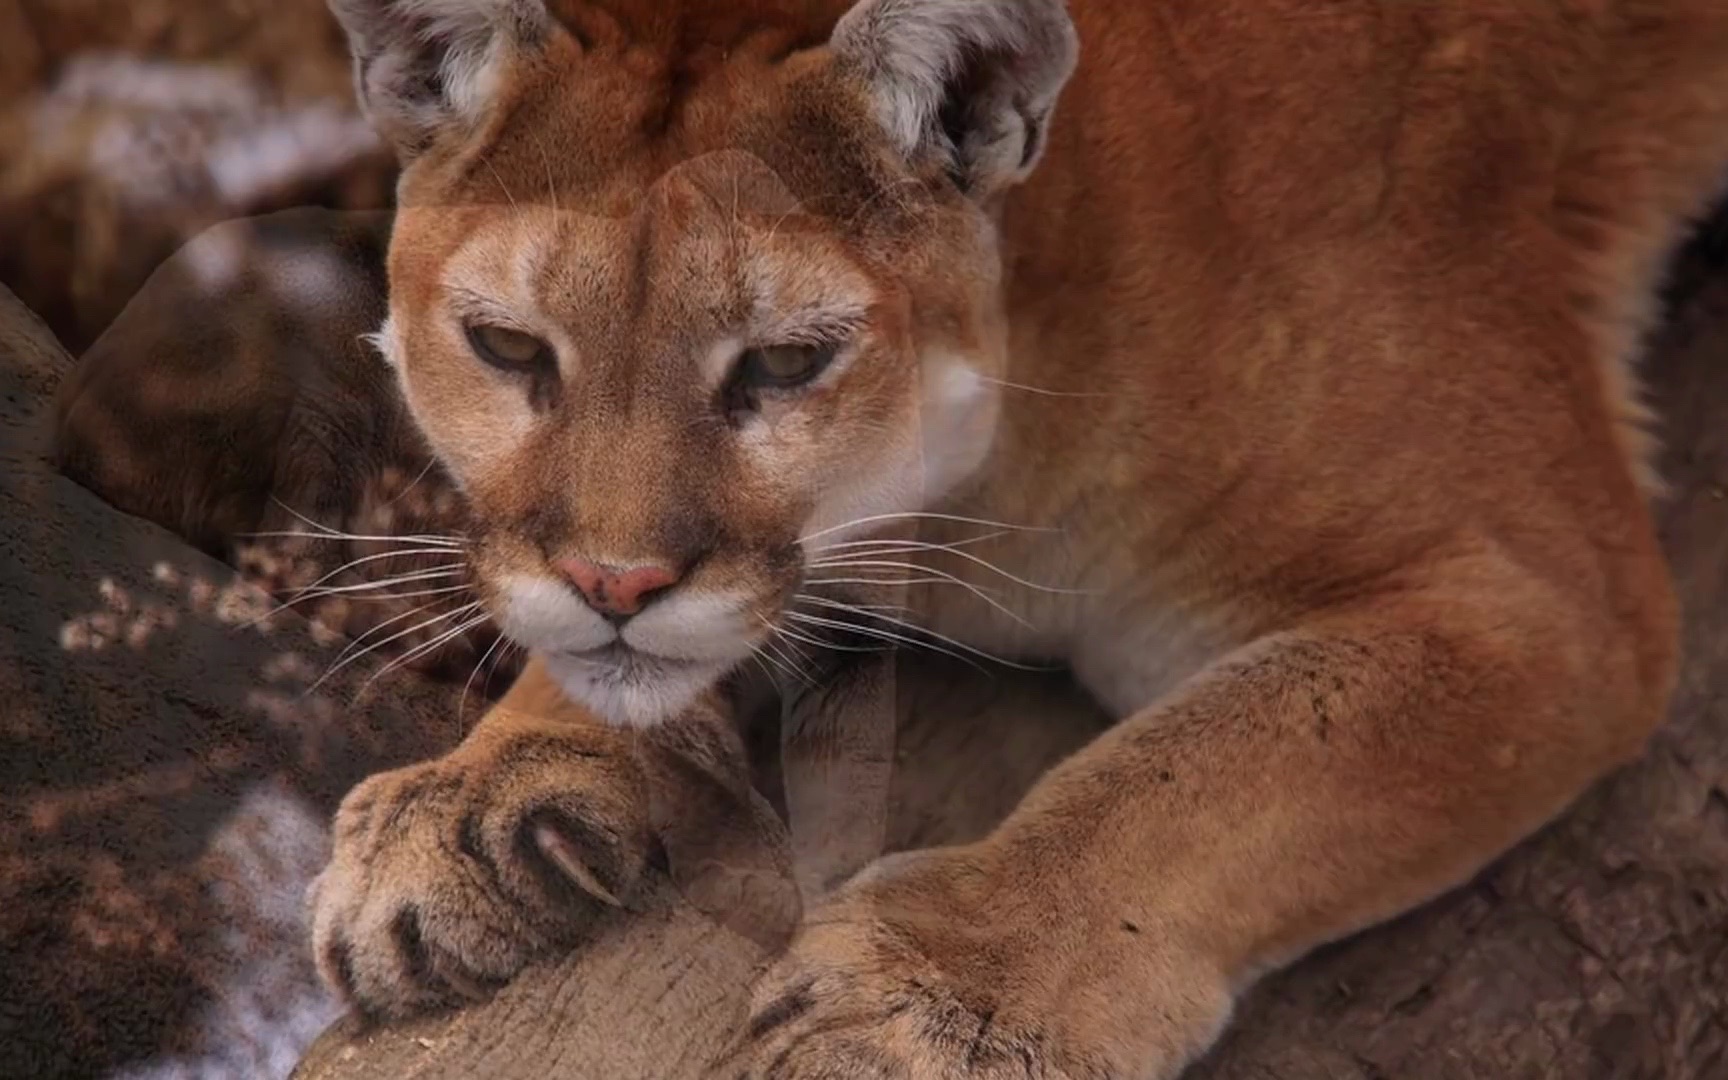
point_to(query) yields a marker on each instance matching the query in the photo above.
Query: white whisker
(766, 654)
(887, 636)
(435, 620)
(927, 515)
(886, 546)
(326, 532)
(986, 564)
(918, 633)
(352, 563)
(976, 590)
(1041, 391)
(360, 641)
(867, 608)
(385, 597)
(462, 702)
(422, 649)
(820, 644)
(430, 462)
(301, 596)
(444, 542)
(301, 534)
(430, 574)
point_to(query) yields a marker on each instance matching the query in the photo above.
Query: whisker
(359, 641)
(443, 541)
(327, 532)
(917, 633)
(350, 564)
(1041, 391)
(927, 632)
(885, 635)
(763, 658)
(975, 590)
(511, 648)
(887, 546)
(303, 595)
(424, 648)
(880, 582)
(867, 610)
(394, 499)
(795, 657)
(501, 185)
(551, 185)
(385, 597)
(462, 702)
(433, 621)
(834, 645)
(990, 566)
(925, 515)
(430, 574)
(830, 602)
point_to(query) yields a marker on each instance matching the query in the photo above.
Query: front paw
(953, 964)
(450, 876)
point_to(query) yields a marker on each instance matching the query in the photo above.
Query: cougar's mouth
(630, 687)
(620, 658)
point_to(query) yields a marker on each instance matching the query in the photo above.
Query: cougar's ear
(423, 68)
(971, 82)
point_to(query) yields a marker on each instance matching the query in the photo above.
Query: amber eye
(783, 366)
(509, 350)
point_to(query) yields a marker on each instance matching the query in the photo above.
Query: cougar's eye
(779, 367)
(509, 350)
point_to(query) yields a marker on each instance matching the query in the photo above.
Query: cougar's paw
(448, 877)
(940, 966)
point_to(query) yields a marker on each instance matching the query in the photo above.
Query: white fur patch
(703, 627)
(387, 340)
(957, 414)
(957, 422)
(1128, 663)
(641, 697)
(685, 644)
(718, 361)
(547, 616)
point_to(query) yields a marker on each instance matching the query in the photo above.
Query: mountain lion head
(681, 291)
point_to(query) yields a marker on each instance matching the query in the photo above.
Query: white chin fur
(640, 698)
(547, 617)
(683, 645)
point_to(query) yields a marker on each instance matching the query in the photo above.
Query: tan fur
(1300, 364)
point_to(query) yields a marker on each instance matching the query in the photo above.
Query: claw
(555, 846)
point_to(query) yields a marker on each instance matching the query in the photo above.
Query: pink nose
(616, 592)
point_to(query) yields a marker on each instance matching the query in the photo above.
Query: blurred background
(127, 126)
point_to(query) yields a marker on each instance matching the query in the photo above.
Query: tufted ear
(970, 82)
(424, 67)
